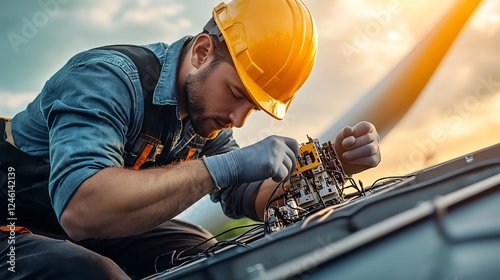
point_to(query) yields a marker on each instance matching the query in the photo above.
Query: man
(94, 218)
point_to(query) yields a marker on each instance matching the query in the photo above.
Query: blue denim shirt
(93, 106)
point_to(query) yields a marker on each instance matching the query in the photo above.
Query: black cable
(362, 188)
(283, 187)
(174, 257)
(354, 185)
(266, 221)
(342, 190)
(222, 244)
(249, 231)
(272, 194)
(215, 236)
(390, 177)
(217, 246)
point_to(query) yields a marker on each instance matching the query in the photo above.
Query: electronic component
(316, 183)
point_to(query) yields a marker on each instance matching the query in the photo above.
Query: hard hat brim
(262, 99)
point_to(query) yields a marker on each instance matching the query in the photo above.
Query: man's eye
(234, 94)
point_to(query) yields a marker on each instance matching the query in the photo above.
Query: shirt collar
(166, 90)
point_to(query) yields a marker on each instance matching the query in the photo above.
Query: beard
(195, 105)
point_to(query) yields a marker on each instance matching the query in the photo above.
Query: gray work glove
(273, 157)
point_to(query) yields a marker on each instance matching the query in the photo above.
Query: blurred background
(360, 41)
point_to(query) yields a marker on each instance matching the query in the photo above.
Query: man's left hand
(358, 147)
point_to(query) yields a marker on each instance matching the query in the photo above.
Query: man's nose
(240, 115)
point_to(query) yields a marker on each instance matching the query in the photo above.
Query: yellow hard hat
(273, 46)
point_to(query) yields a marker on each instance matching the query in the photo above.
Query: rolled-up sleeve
(239, 200)
(89, 107)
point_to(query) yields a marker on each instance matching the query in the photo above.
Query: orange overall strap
(19, 230)
(144, 155)
(190, 154)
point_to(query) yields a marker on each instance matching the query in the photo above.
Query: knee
(45, 258)
(86, 264)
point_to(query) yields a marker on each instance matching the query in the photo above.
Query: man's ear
(202, 50)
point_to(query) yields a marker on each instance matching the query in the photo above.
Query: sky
(449, 119)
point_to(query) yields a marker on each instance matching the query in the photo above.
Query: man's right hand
(273, 157)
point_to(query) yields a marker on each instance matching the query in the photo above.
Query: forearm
(118, 202)
(265, 191)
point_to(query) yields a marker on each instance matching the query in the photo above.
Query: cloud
(76, 26)
(487, 17)
(116, 14)
(13, 103)
(102, 15)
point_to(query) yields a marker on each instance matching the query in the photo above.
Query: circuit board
(317, 182)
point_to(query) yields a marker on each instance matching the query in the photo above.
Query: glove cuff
(207, 165)
(223, 169)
